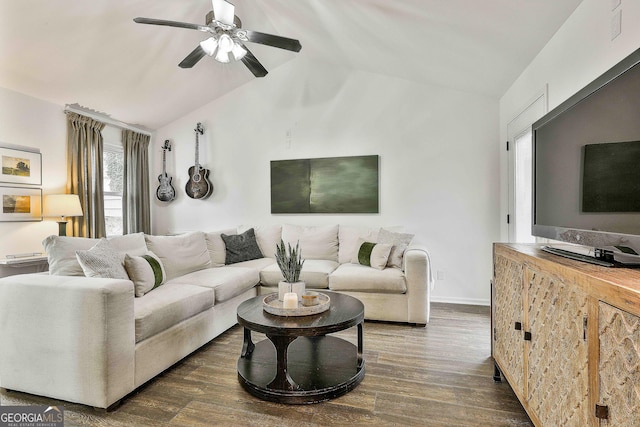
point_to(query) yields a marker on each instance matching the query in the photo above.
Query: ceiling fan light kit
(226, 37)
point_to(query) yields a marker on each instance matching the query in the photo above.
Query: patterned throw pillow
(241, 247)
(102, 260)
(371, 254)
(400, 242)
(145, 271)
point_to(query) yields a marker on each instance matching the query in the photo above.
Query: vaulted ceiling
(90, 52)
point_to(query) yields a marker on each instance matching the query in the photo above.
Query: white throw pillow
(103, 261)
(181, 254)
(371, 254)
(145, 271)
(400, 242)
(315, 242)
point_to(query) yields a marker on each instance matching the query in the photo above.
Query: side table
(23, 265)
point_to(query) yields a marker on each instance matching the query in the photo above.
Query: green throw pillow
(371, 254)
(145, 271)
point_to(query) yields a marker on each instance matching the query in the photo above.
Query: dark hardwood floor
(440, 375)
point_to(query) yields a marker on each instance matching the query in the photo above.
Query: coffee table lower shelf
(318, 368)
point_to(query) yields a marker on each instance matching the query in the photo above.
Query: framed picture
(20, 166)
(325, 185)
(20, 204)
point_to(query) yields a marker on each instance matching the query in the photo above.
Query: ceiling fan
(227, 38)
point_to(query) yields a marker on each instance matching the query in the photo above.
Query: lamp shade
(62, 205)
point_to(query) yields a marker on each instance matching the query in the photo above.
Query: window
(524, 186)
(113, 179)
(519, 169)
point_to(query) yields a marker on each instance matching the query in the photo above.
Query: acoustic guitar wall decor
(165, 191)
(198, 186)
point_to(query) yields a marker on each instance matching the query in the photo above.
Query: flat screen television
(586, 163)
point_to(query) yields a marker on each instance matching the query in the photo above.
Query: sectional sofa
(113, 313)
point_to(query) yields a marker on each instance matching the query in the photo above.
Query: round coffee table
(300, 363)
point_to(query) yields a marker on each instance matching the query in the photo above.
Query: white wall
(439, 169)
(31, 122)
(578, 53)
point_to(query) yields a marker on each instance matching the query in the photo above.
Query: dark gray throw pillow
(241, 247)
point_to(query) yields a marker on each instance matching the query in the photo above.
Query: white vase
(298, 288)
(283, 288)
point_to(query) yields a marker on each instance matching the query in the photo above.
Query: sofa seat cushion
(360, 278)
(256, 264)
(169, 305)
(315, 273)
(227, 281)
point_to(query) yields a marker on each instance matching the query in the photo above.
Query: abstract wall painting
(325, 185)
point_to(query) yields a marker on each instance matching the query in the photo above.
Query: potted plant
(290, 262)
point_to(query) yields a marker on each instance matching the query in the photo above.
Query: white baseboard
(455, 300)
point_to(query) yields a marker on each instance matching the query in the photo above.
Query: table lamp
(62, 205)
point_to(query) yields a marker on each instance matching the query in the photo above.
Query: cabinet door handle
(517, 326)
(527, 336)
(602, 412)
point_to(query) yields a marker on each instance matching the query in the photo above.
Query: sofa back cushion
(61, 251)
(181, 254)
(348, 237)
(132, 244)
(320, 242)
(267, 236)
(216, 246)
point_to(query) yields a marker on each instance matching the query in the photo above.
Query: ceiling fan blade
(253, 64)
(271, 40)
(172, 24)
(223, 11)
(193, 58)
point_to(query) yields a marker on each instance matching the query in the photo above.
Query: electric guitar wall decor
(198, 186)
(165, 191)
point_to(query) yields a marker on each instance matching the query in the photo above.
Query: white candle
(290, 300)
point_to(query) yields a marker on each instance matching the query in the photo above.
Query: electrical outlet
(440, 275)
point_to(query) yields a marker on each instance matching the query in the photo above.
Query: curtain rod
(105, 119)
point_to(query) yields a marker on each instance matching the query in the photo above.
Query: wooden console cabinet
(566, 336)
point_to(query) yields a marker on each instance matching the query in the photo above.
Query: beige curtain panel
(136, 205)
(84, 174)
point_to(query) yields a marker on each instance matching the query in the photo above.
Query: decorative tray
(273, 306)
